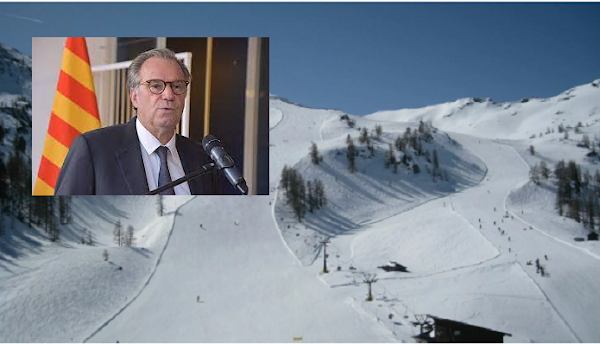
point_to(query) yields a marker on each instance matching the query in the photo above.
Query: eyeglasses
(158, 86)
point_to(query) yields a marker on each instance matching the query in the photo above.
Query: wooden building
(450, 331)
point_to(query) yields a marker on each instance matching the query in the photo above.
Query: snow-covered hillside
(514, 120)
(15, 102)
(15, 72)
(57, 292)
(243, 269)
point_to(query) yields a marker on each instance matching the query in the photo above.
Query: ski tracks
(147, 281)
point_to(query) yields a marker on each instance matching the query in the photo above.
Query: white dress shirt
(152, 160)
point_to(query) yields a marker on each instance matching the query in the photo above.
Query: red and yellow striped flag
(75, 111)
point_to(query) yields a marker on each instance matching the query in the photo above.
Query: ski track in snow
(566, 322)
(149, 277)
(584, 250)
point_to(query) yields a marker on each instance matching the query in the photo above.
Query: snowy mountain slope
(569, 285)
(368, 195)
(15, 72)
(249, 287)
(571, 314)
(225, 268)
(15, 101)
(535, 201)
(290, 144)
(465, 288)
(58, 291)
(514, 120)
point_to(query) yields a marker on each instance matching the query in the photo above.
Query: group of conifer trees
(409, 143)
(15, 181)
(577, 193)
(302, 196)
(15, 167)
(123, 237)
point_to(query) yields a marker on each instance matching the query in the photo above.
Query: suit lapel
(130, 161)
(187, 160)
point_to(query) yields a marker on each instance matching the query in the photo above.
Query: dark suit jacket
(108, 161)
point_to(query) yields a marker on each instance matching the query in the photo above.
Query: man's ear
(134, 98)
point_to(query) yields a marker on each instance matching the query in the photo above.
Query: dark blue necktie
(164, 177)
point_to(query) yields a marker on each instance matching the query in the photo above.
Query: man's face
(159, 112)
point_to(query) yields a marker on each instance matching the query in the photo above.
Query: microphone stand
(208, 168)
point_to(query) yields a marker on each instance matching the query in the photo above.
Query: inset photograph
(150, 115)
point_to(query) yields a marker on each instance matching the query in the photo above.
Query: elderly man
(145, 153)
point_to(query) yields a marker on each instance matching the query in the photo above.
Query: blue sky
(359, 57)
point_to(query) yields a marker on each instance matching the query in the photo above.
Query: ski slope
(250, 287)
(243, 269)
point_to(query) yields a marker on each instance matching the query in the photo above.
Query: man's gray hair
(133, 74)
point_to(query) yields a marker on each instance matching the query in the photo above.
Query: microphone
(214, 148)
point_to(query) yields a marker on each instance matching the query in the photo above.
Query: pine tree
(560, 170)
(378, 131)
(90, 238)
(311, 197)
(405, 159)
(49, 220)
(285, 178)
(591, 210)
(3, 183)
(320, 194)
(585, 141)
(544, 170)
(297, 195)
(16, 170)
(129, 238)
(118, 233)
(575, 175)
(534, 174)
(160, 207)
(559, 204)
(351, 154)
(30, 209)
(574, 210)
(314, 153)
(390, 159)
(64, 209)
(370, 148)
(364, 136)
(53, 230)
(387, 157)
(400, 144)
